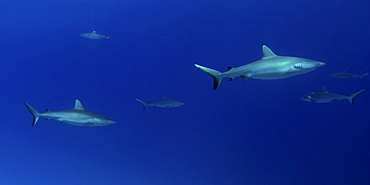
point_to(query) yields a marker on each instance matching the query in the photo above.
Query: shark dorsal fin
(78, 105)
(323, 89)
(93, 31)
(267, 52)
(228, 68)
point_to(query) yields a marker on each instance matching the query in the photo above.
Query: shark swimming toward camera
(344, 74)
(76, 116)
(324, 97)
(270, 67)
(164, 103)
(93, 35)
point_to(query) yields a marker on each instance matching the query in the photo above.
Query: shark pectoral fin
(292, 70)
(88, 124)
(245, 77)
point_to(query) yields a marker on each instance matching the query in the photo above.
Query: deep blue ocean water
(256, 132)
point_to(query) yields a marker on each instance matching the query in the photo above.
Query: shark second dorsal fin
(78, 105)
(323, 89)
(164, 97)
(267, 52)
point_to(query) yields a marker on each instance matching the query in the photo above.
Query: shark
(93, 35)
(345, 74)
(270, 67)
(164, 103)
(76, 116)
(324, 97)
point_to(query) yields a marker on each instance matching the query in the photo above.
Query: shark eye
(298, 65)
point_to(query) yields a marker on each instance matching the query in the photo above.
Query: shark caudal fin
(362, 76)
(109, 36)
(213, 73)
(142, 103)
(34, 113)
(354, 95)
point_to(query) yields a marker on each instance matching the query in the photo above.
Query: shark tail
(216, 75)
(109, 36)
(354, 95)
(362, 76)
(34, 113)
(142, 103)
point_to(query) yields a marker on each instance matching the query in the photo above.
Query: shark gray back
(93, 35)
(163, 103)
(345, 74)
(324, 97)
(270, 67)
(76, 116)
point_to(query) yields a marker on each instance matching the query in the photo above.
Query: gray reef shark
(76, 116)
(94, 35)
(323, 96)
(164, 103)
(344, 74)
(270, 67)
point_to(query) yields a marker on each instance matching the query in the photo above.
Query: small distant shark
(164, 102)
(270, 67)
(94, 35)
(76, 116)
(344, 74)
(323, 96)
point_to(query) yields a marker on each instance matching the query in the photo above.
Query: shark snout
(111, 122)
(320, 64)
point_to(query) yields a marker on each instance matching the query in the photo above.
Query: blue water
(256, 132)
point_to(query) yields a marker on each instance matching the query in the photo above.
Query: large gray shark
(270, 67)
(323, 96)
(94, 35)
(76, 116)
(344, 74)
(164, 103)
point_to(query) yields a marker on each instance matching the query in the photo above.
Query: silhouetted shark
(344, 74)
(164, 102)
(323, 96)
(94, 35)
